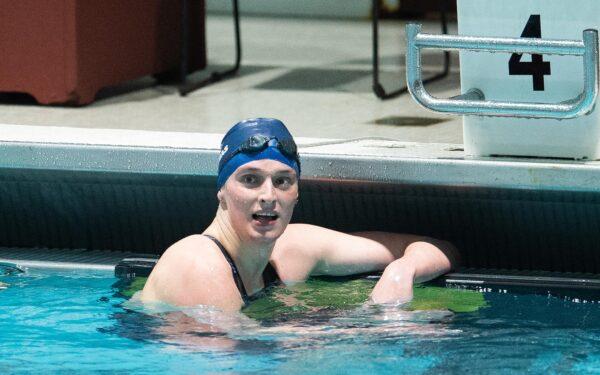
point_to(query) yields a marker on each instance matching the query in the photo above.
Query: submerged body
(258, 190)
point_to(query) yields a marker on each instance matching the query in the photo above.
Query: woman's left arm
(422, 261)
(404, 258)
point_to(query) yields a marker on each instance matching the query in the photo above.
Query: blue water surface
(74, 321)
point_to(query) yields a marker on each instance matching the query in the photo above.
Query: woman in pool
(251, 244)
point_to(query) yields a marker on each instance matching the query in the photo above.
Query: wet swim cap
(256, 139)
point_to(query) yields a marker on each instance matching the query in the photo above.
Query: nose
(267, 194)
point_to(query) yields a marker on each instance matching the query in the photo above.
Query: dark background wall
(493, 228)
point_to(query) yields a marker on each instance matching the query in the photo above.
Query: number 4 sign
(527, 78)
(537, 68)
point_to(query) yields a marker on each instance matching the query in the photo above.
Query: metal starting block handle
(473, 102)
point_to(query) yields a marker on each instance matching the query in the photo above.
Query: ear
(221, 199)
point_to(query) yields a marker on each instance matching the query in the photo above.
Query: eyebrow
(253, 169)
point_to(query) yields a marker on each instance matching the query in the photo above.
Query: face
(259, 198)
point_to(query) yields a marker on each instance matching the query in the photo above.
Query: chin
(266, 236)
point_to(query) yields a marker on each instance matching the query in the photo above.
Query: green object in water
(438, 298)
(271, 306)
(136, 285)
(320, 293)
(316, 294)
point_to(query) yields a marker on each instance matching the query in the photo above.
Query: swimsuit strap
(269, 275)
(234, 270)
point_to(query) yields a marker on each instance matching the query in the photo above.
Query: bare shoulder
(298, 250)
(190, 272)
(189, 252)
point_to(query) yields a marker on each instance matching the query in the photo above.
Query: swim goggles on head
(257, 143)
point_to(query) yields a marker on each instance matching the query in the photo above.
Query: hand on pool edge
(422, 261)
(395, 284)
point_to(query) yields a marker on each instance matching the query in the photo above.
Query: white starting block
(535, 98)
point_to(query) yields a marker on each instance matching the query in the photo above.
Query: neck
(250, 257)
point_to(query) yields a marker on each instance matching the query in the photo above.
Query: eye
(250, 179)
(283, 182)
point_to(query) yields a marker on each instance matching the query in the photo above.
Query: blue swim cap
(256, 139)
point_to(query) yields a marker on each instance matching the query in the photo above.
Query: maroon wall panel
(64, 51)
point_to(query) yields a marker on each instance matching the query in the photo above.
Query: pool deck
(369, 159)
(315, 75)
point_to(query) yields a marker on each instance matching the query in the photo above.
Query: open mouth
(265, 216)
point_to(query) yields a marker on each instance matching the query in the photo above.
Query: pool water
(78, 321)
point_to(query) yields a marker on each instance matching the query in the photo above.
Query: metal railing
(474, 102)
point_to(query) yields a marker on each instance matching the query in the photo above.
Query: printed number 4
(537, 68)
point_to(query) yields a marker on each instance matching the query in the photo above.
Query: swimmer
(250, 243)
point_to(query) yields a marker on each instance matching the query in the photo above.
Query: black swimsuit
(269, 275)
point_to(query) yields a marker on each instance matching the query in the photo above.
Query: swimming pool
(76, 320)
